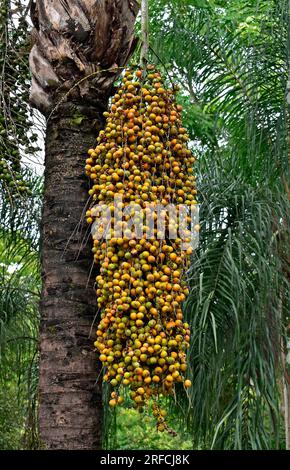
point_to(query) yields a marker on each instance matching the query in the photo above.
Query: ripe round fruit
(187, 383)
(141, 157)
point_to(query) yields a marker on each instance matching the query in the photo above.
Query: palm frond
(230, 59)
(19, 315)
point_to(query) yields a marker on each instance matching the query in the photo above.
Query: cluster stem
(145, 32)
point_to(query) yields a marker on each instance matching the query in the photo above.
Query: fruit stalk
(145, 32)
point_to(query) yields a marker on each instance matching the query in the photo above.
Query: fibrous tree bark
(79, 49)
(74, 39)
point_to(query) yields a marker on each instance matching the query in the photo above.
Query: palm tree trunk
(286, 403)
(70, 398)
(79, 49)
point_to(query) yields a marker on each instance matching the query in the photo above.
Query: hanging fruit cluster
(143, 157)
(15, 115)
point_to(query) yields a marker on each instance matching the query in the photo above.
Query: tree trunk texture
(286, 403)
(79, 48)
(70, 403)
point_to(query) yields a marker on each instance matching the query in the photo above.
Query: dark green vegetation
(19, 298)
(137, 431)
(17, 128)
(230, 59)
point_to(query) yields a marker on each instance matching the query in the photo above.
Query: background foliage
(20, 202)
(18, 130)
(231, 61)
(19, 297)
